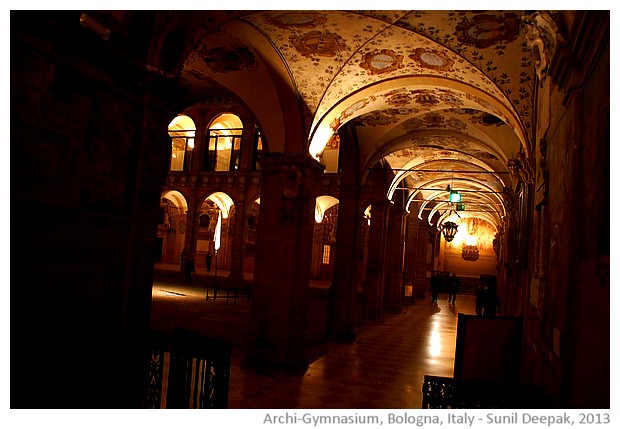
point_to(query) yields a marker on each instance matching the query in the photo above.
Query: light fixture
(449, 229)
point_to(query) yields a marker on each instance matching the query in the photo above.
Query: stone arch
(172, 227)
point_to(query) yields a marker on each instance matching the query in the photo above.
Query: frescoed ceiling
(433, 94)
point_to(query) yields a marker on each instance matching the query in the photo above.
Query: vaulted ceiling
(444, 98)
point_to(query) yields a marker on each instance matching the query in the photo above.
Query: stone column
(394, 255)
(237, 241)
(201, 143)
(247, 143)
(411, 251)
(91, 163)
(376, 259)
(344, 285)
(136, 292)
(289, 187)
(423, 259)
(191, 224)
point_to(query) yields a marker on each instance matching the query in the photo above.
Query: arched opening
(183, 132)
(171, 228)
(215, 217)
(223, 151)
(324, 247)
(470, 254)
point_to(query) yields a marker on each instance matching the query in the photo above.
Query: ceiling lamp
(449, 230)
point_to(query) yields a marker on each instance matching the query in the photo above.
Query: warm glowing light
(471, 240)
(182, 123)
(449, 230)
(435, 343)
(218, 231)
(177, 199)
(323, 203)
(223, 202)
(319, 140)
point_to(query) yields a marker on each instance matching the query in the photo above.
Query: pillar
(423, 258)
(237, 241)
(411, 254)
(376, 259)
(289, 187)
(191, 230)
(85, 191)
(394, 256)
(344, 285)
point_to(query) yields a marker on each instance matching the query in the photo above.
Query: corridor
(384, 368)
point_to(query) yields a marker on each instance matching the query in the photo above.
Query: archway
(213, 231)
(182, 130)
(172, 227)
(324, 241)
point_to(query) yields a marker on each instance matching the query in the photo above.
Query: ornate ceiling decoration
(421, 87)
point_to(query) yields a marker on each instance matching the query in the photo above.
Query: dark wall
(89, 155)
(567, 319)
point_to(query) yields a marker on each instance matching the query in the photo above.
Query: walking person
(435, 280)
(189, 269)
(184, 255)
(453, 288)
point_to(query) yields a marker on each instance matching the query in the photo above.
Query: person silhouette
(491, 302)
(453, 288)
(184, 255)
(189, 269)
(208, 259)
(435, 280)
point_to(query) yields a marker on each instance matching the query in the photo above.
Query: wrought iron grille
(198, 372)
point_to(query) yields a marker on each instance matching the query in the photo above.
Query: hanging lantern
(449, 230)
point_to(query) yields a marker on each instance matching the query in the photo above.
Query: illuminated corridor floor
(383, 368)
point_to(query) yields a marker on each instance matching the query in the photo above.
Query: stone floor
(383, 369)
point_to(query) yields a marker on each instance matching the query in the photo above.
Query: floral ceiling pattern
(420, 86)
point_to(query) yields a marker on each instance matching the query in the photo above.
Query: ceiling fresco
(421, 87)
